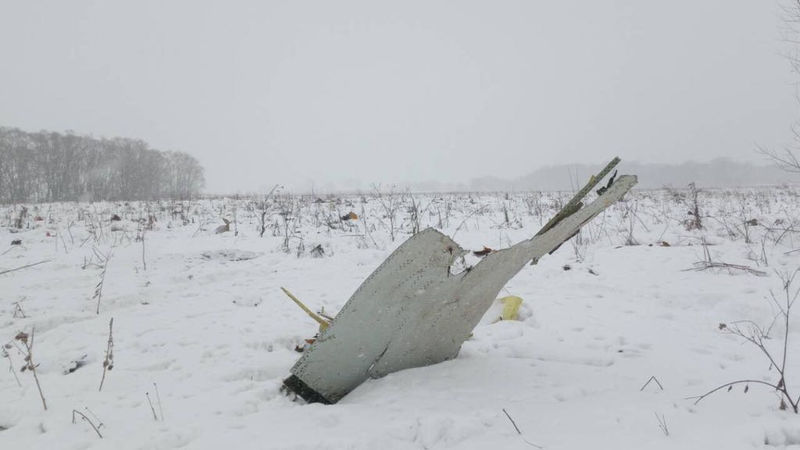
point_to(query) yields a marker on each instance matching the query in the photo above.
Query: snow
(207, 327)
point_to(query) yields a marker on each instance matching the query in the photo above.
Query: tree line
(47, 166)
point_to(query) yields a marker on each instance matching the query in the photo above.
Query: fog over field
(344, 94)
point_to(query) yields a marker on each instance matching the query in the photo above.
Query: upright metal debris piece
(412, 311)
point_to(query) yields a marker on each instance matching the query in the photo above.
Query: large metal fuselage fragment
(412, 311)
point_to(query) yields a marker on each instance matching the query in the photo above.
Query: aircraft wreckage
(412, 311)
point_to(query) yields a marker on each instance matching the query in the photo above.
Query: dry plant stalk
(83, 417)
(24, 267)
(98, 289)
(27, 341)
(652, 378)
(708, 263)
(155, 417)
(694, 222)
(144, 260)
(18, 312)
(5, 354)
(158, 400)
(662, 423)
(108, 363)
(519, 432)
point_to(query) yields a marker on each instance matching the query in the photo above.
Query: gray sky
(265, 92)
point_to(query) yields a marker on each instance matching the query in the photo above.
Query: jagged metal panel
(412, 311)
(343, 355)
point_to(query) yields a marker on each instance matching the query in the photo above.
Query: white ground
(207, 322)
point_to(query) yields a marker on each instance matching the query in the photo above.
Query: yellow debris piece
(323, 324)
(511, 306)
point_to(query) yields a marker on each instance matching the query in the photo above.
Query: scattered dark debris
(317, 251)
(302, 348)
(75, 365)
(247, 303)
(603, 189)
(486, 250)
(231, 254)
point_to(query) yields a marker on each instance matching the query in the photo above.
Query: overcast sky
(291, 92)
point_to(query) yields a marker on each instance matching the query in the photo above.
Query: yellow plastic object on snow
(511, 306)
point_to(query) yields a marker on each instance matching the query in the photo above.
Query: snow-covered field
(202, 331)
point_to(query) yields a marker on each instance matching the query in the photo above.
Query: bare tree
(48, 167)
(786, 159)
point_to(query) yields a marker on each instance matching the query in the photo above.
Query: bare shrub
(758, 336)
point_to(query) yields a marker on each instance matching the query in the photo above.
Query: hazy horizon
(323, 94)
